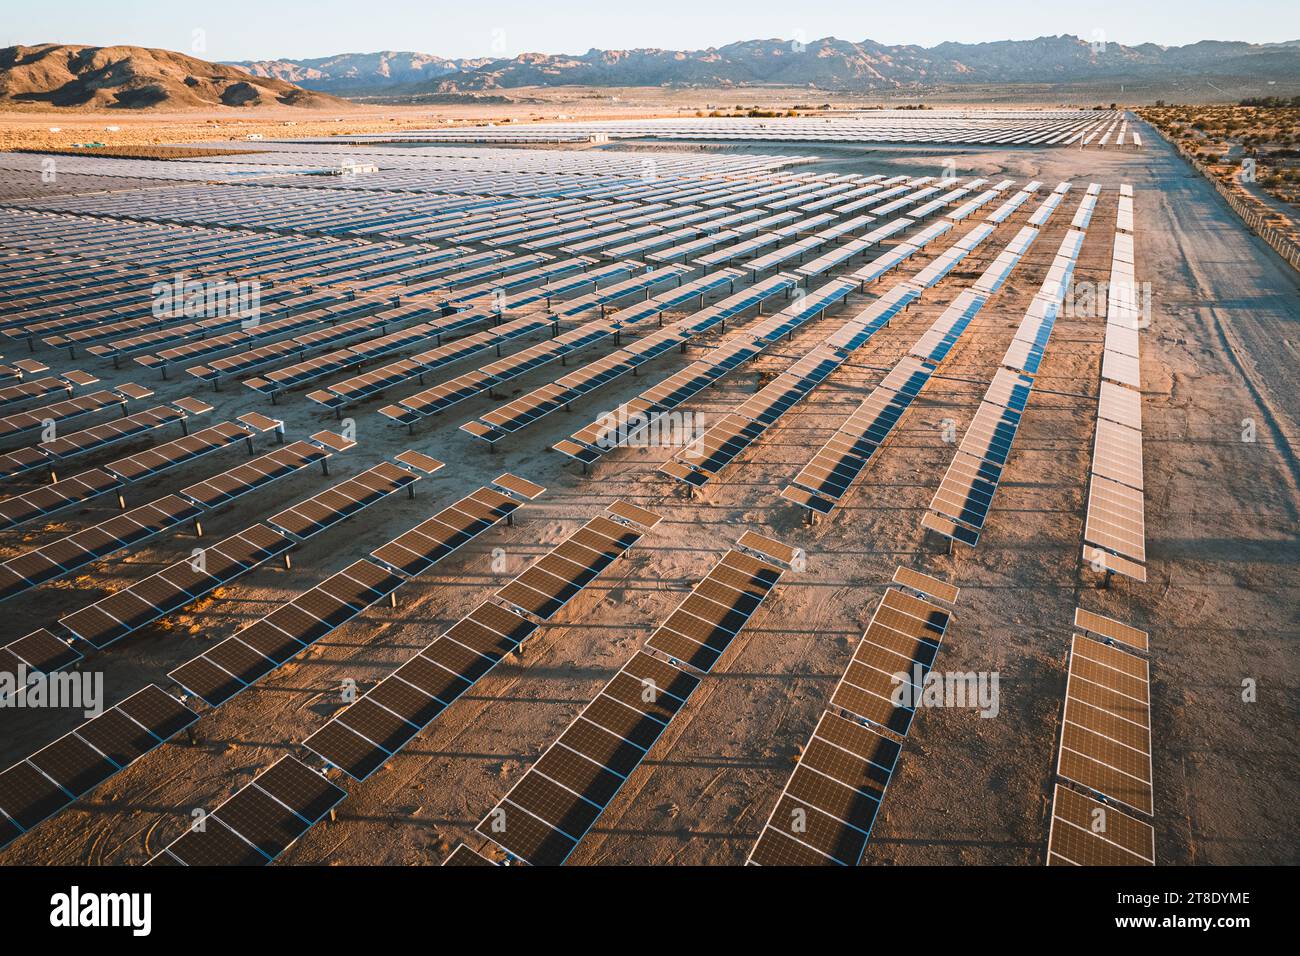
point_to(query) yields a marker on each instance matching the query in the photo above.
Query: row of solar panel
(1105, 747)
(1115, 525)
(825, 813)
(547, 812)
(827, 477)
(962, 502)
(368, 732)
(699, 462)
(301, 621)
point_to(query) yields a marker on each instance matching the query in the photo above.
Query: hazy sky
(262, 29)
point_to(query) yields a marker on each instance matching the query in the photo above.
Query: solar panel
(258, 473)
(925, 584)
(632, 418)
(364, 736)
(831, 472)
(27, 391)
(1110, 629)
(552, 581)
(961, 504)
(129, 609)
(234, 664)
(1087, 833)
(1106, 735)
(630, 512)
(721, 444)
(1123, 406)
(54, 560)
(1115, 518)
(70, 408)
(825, 813)
(464, 856)
(429, 542)
(309, 518)
(99, 436)
(260, 821)
(716, 610)
(39, 652)
(35, 789)
(549, 810)
(160, 458)
(48, 499)
(895, 652)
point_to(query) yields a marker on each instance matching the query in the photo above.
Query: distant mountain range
(826, 64)
(132, 77)
(358, 72)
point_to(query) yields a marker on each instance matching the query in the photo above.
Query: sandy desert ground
(1221, 601)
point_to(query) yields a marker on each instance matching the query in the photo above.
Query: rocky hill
(130, 77)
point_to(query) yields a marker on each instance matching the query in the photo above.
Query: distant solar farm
(526, 496)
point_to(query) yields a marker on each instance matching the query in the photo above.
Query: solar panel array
(825, 813)
(352, 274)
(700, 462)
(259, 822)
(525, 410)
(38, 787)
(1115, 528)
(960, 506)
(631, 418)
(1051, 128)
(370, 731)
(1105, 748)
(50, 454)
(825, 480)
(549, 810)
(182, 582)
(236, 663)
